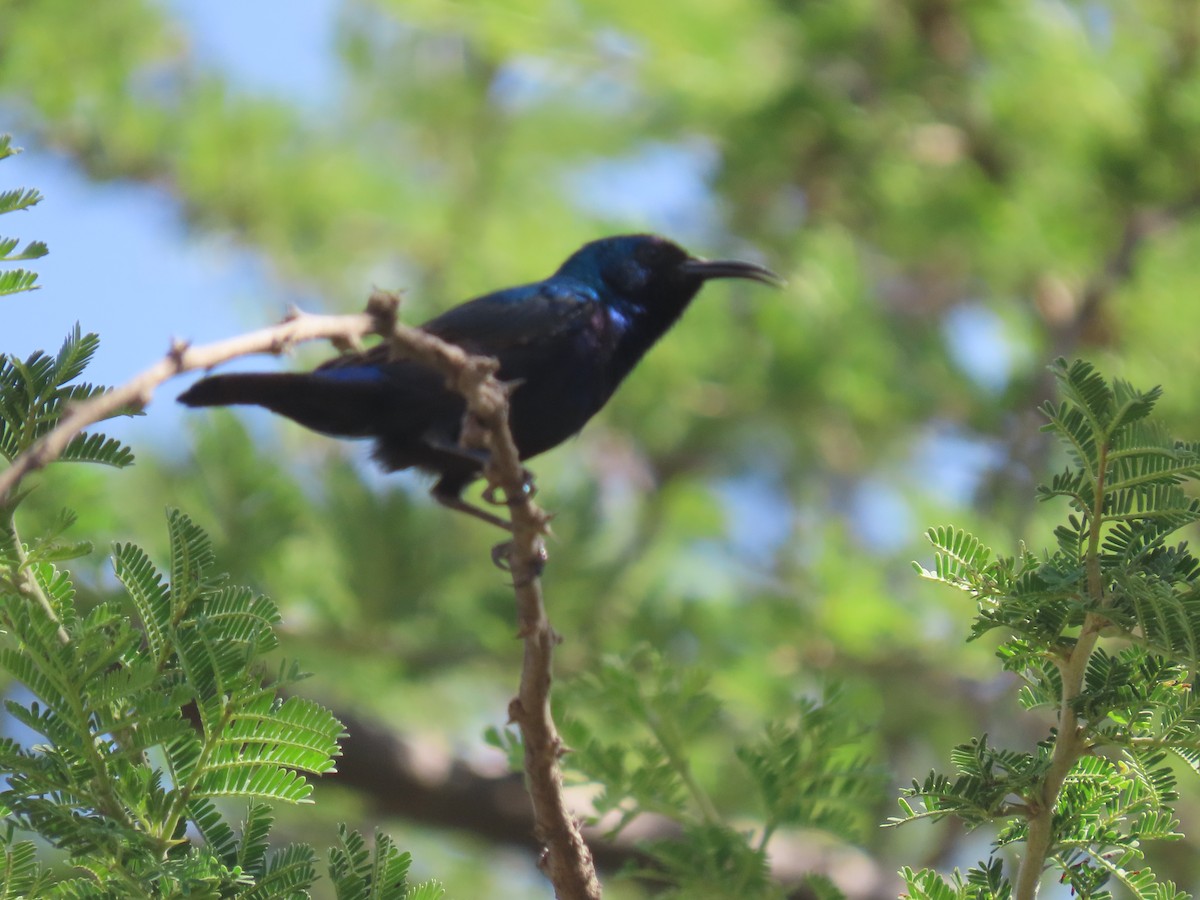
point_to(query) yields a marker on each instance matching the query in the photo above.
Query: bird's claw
(491, 493)
(502, 558)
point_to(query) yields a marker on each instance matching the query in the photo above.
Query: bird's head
(653, 274)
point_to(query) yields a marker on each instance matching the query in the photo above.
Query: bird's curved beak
(730, 268)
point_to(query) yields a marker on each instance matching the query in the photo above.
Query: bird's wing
(371, 362)
(516, 317)
(502, 324)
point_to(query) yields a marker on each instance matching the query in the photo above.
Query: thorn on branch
(471, 382)
(516, 711)
(382, 306)
(544, 519)
(179, 347)
(344, 343)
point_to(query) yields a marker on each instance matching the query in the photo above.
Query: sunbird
(566, 342)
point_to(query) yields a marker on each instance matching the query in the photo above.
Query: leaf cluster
(1113, 575)
(35, 393)
(812, 771)
(144, 725)
(13, 281)
(140, 720)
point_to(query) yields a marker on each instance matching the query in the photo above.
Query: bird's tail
(329, 407)
(232, 390)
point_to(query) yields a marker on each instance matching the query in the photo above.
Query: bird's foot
(491, 494)
(502, 558)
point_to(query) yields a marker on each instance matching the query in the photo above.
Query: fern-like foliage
(986, 882)
(1112, 572)
(379, 874)
(813, 770)
(35, 392)
(111, 695)
(13, 281)
(144, 725)
(138, 727)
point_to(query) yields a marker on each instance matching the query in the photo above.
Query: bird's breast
(564, 383)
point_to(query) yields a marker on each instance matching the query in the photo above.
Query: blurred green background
(957, 193)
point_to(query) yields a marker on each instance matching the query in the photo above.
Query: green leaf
(381, 874)
(20, 875)
(144, 584)
(32, 250)
(426, 890)
(217, 833)
(961, 558)
(14, 281)
(191, 559)
(35, 393)
(18, 198)
(256, 838)
(814, 773)
(289, 872)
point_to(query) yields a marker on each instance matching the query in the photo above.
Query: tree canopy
(957, 194)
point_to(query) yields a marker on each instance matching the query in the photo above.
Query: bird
(566, 343)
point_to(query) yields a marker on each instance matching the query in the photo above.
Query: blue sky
(122, 263)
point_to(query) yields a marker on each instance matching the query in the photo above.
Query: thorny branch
(566, 859)
(181, 357)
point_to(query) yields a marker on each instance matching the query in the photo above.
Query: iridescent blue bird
(568, 341)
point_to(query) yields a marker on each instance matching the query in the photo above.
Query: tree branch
(136, 393)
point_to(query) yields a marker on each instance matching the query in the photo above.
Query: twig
(138, 392)
(23, 579)
(1069, 744)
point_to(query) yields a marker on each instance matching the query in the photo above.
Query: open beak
(730, 268)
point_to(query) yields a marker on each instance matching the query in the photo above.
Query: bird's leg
(472, 457)
(528, 491)
(448, 489)
(454, 501)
